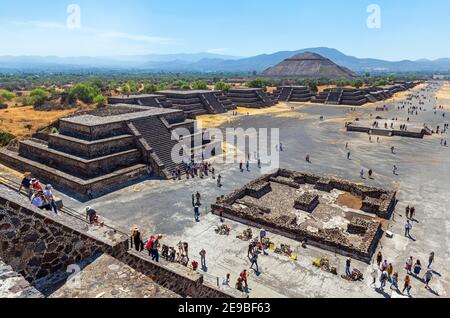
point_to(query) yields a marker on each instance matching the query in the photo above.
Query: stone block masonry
(39, 244)
(297, 205)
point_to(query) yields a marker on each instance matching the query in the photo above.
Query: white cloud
(111, 34)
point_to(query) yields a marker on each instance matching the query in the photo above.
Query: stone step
(85, 168)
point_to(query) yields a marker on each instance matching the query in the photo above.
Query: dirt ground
(350, 201)
(16, 120)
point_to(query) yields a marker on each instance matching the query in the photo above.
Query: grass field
(24, 121)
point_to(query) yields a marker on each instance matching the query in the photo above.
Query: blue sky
(410, 29)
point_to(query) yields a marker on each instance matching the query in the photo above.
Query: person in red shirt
(244, 278)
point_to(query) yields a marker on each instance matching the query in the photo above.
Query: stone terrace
(250, 97)
(272, 201)
(414, 129)
(94, 154)
(196, 102)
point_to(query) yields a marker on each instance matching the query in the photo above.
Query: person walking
(136, 240)
(374, 275)
(254, 261)
(383, 279)
(379, 259)
(394, 281)
(412, 213)
(197, 213)
(417, 268)
(409, 264)
(428, 276)
(430, 260)
(348, 155)
(243, 276)
(407, 285)
(155, 251)
(389, 271)
(348, 263)
(203, 258)
(247, 166)
(408, 228)
(394, 170)
(219, 181)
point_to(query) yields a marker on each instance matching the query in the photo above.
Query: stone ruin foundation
(305, 206)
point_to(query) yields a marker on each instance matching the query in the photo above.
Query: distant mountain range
(208, 63)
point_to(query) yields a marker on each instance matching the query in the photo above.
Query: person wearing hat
(91, 215)
(36, 185)
(26, 184)
(48, 194)
(136, 240)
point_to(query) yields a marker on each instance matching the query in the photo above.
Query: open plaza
(338, 198)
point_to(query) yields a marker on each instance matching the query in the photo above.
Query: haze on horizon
(409, 29)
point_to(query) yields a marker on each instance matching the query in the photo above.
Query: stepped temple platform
(197, 102)
(341, 96)
(106, 149)
(142, 100)
(390, 128)
(329, 213)
(359, 97)
(294, 94)
(250, 97)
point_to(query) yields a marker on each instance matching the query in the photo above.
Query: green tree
(222, 86)
(257, 83)
(84, 92)
(150, 88)
(100, 101)
(134, 87)
(6, 95)
(38, 96)
(200, 85)
(5, 138)
(358, 84)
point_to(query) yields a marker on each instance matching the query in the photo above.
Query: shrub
(5, 138)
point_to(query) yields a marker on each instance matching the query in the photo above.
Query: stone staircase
(286, 93)
(159, 138)
(212, 104)
(334, 97)
(263, 96)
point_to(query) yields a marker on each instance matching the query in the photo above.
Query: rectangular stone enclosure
(329, 213)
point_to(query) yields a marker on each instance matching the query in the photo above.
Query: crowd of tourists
(384, 273)
(40, 196)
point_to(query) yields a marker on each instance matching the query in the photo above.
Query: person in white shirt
(48, 193)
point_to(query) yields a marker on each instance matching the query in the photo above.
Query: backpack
(150, 242)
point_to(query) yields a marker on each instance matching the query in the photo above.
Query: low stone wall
(377, 201)
(176, 278)
(37, 243)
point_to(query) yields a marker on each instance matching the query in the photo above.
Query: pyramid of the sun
(309, 65)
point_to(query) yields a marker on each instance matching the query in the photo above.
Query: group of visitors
(199, 169)
(384, 272)
(40, 197)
